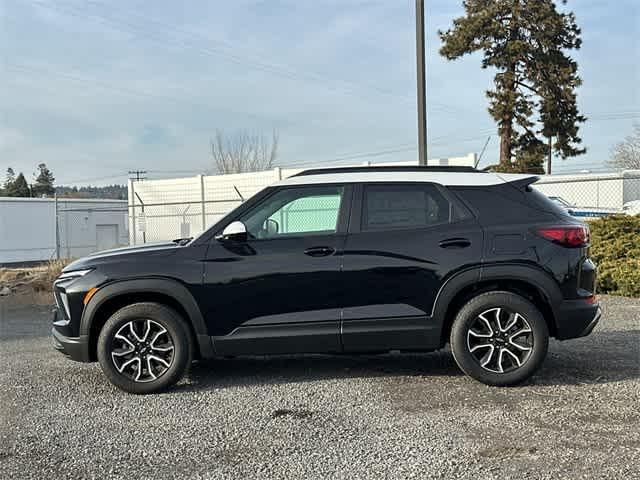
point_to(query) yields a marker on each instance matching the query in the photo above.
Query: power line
(281, 69)
(125, 175)
(94, 179)
(277, 69)
(206, 51)
(406, 147)
(121, 90)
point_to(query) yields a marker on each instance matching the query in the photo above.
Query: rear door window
(404, 206)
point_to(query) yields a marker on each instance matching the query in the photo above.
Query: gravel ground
(388, 416)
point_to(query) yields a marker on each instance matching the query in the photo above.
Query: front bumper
(76, 348)
(576, 318)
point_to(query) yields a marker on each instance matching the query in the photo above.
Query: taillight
(566, 235)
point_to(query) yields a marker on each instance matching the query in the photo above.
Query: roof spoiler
(521, 182)
(519, 179)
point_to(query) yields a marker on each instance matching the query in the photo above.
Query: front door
(404, 241)
(280, 290)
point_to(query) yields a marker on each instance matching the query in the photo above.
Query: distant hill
(113, 192)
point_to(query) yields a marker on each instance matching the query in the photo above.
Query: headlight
(74, 274)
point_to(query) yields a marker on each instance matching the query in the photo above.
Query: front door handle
(455, 243)
(319, 251)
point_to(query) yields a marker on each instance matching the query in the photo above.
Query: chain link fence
(164, 210)
(594, 195)
(308, 214)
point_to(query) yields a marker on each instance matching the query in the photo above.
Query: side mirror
(235, 231)
(270, 227)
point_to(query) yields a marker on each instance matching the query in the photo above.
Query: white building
(29, 231)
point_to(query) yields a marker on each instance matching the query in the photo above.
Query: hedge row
(615, 247)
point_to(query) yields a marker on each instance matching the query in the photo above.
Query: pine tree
(526, 41)
(43, 182)
(19, 187)
(10, 178)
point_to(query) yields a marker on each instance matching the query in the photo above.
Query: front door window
(295, 212)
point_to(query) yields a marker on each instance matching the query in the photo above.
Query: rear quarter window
(542, 202)
(508, 203)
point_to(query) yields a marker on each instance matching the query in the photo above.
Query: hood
(114, 254)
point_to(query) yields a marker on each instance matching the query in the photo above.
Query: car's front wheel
(144, 348)
(499, 338)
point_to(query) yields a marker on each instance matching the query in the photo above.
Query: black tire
(176, 352)
(474, 313)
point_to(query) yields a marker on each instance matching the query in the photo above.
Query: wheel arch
(527, 281)
(116, 295)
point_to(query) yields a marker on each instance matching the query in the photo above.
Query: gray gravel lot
(389, 416)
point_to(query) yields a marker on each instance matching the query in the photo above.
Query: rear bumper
(577, 318)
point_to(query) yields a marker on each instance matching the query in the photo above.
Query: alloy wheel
(500, 340)
(142, 350)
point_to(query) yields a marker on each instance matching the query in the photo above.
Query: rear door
(404, 241)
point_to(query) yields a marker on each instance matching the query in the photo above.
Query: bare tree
(243, 151)
(626, 154)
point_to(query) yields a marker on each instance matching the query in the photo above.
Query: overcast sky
(97, 88)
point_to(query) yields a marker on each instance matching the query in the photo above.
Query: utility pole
(550, 155)
(421, 95)
(140, 174)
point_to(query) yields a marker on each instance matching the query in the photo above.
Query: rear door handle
(319, 251)
(455, 243)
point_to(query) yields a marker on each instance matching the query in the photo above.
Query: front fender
(164, 286)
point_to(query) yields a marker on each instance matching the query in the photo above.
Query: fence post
(278, 173)
(57, 229)
(204, 213)
(144, 217)
(132, 206)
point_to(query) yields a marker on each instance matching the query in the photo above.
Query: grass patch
(35, 279)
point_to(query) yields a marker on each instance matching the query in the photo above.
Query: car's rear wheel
(499, 338)
(144, 348)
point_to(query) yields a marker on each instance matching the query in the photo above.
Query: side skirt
(284, 338)
(398, 333)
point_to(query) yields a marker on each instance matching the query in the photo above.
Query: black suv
(344, 260)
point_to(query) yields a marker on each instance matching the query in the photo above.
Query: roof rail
(388, 168)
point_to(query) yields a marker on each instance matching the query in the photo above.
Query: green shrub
(615, 247)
